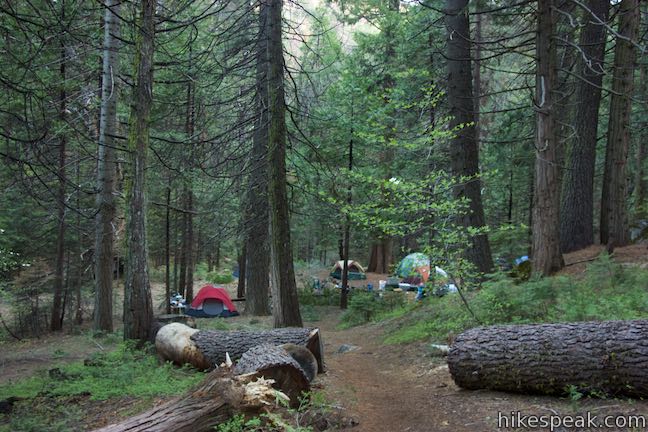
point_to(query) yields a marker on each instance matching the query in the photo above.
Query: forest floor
(380, 387)
(405, 388)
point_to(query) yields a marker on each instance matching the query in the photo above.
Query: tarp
(356, 271)
(212, 302)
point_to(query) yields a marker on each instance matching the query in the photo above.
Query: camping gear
(521, 259)
(356, 271)
(212, 302)
(177, 302)
(415, 269)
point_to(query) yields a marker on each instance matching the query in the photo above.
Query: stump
(206, 349)
(591, 357)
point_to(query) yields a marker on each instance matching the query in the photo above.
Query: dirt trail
(384, 388)
(403, 388)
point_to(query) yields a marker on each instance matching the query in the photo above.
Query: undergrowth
(314, 413)
(606, 291)
(124, 372)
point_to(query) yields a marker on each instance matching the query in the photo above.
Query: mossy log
(206, 349)
(609, 357)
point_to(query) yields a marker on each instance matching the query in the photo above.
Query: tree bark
(614, 213)
(189, 251)
(577, 208)
(545, 250)
(242, 263)
(138, 309)
(167, 247)
(182, 275)
(641, 180)
(380, 259)
(257, 247)
(215, 401)
(284, 296)
(344, 292)
(464, 148)
(205, 349)
(107, 171)
(609, 357)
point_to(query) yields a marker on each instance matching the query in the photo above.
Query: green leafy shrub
(369, 306)
(327, 297)
(219, 278)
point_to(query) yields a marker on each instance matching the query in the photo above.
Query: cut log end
(275, 363)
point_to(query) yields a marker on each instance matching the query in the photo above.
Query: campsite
(308, 216)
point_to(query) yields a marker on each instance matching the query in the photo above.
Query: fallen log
(263, 374)
(216, 400)
(206, 349)
(609, 357)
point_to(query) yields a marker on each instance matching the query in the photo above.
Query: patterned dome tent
(415, 268)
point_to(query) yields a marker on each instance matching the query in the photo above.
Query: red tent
(212, 302)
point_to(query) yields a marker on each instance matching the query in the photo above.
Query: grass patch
(607, 291)
(58, 399)
(236, 323)
(122, 372)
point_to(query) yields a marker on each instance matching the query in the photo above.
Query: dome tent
(212, 302)
(356, 271)
(415, 268)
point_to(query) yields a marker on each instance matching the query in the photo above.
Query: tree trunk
(138, 309)
(380, 259)
(106, 171)
(167, 248)
(189, 251)
(347, 229)
(242, 264)
(614, 213)
(190, 126)
(577, 209)
(464, 148)
(256, 222)
(57, 309)
(182, 276)
(545, 249)
(285, 302)
(609, 357)
(78, 271)
(214, 401)
(641, 180)
(205, 349)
